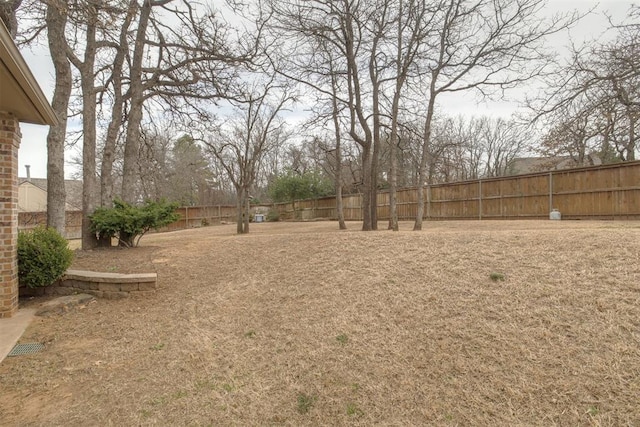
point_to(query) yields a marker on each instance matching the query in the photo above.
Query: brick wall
(9, 144)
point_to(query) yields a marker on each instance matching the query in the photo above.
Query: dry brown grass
(357, 328)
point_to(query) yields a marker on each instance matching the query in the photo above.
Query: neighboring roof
(20, 93)
(73, 189)
(522, 165)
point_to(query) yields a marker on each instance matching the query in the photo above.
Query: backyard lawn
(464, 323)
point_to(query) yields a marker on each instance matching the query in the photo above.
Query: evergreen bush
(129, 223)
(43, 257)
(273, 216)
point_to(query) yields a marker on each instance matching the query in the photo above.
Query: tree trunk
(375, 155)
(239, 214)
(109, 149)
(8, 9)
(395, 111)
(631, 148)
(247, 211)
(393, 177)
(366, 189)
(56, 195)
(242, 224)
(340, 207)
(426, 142)
(338, 171)
(393, 153)
(132, 143)
(338, 177)
(358, 115)
(89, 239)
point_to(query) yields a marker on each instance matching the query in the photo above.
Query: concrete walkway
(11, 329)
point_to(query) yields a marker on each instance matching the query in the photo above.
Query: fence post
(480, 199)
(502, 215)
(550, 191)
(186, 215)
(428, 201)
(219, 214)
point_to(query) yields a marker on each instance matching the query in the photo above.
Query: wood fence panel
(572, 183)
(200, 216)
(406, 203)
(629, 176)
(326, 208)
(492, 188)
(304, 204)
(73, 222)
(629, 203)
(352, 207)
(383, 205)
(492, 207)
(610, 191)
(536, 206)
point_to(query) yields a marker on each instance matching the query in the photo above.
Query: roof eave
(20, 71)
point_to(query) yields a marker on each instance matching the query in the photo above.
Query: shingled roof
(523, 165)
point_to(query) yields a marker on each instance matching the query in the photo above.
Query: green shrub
(43, 257)
(129, 223)
(273, 216)
(291, 186)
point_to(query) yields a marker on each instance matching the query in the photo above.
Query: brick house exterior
(21, 100)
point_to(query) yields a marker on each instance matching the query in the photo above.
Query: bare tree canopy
(371, 76)
(592, 103)
(241, 143)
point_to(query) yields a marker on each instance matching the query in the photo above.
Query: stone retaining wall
(101, 285)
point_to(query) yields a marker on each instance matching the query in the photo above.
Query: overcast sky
(33, 146)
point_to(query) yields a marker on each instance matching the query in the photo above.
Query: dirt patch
(117, 259)
(303, 324)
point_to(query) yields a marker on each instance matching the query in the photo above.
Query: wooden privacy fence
(600, 192)
(199, 216)
(606, 192)
(73, 222)
(190, 217)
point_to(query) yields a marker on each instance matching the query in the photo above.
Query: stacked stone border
(101, 285)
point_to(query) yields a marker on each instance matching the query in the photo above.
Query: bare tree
(335, 116)
(115, 81)
(336, 42)
(87, 17)
(136, 96)
(574, 137)
(482, 45)
(173, 64)
(54, 15)
(502, 141)
(240, 144)
(594, 99)
(412, 29)
(192, 62)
